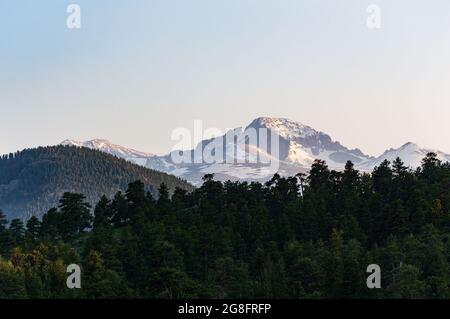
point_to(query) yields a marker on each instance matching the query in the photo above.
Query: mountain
(106, 146)
(410, 153)
(33, 180)
(299, 145)
(302, 144)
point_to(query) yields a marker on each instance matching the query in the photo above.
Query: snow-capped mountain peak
(408, 146)
(297, 148)
(410, 153)
(71, 143)
(106, 146)
(284, 127)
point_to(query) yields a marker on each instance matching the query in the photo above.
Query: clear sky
(137, 69)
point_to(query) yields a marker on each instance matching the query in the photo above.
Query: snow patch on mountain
(106, 146)
(284, 127)
(297, 154)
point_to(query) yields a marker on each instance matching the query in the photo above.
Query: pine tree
(398, 168)
(75, 215)
(119, 208)
(51, 225)
(33, 228)
(3, 221)
(103, 213)
(17, 230)
(163, 203)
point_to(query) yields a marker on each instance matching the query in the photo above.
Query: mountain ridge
(299, 146)
(106, 146)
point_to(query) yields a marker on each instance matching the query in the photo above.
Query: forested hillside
(298, 237)
(33, 180)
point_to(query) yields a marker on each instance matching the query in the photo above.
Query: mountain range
(299, 145)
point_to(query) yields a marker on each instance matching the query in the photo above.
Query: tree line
(306, 236)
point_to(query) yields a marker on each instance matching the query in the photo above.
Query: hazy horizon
(136, 71)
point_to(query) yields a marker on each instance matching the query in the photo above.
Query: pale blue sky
(137, 69)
